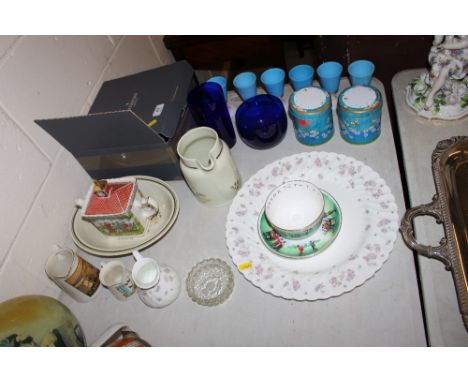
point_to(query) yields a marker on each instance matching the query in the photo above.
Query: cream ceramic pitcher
(207, 166)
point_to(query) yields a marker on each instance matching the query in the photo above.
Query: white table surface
(419, 138)
(383, 311)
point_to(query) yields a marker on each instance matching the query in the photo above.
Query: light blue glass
(246, 85)
(360, 72)
(222, 82)
(301, 76)
(330, 73)
(273, 80)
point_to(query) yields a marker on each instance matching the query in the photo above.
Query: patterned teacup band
(310, 110)
(295, 209)
(359, 113)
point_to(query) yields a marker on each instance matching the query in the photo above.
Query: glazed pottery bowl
(36, 320)
(295, 209)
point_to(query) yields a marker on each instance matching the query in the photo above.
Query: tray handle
(406, 228)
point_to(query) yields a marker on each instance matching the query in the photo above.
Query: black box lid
(148, 92)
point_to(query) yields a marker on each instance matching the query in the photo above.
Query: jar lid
(309, 99)
(359, 97)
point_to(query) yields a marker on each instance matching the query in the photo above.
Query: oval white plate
(89, 239)
(368, 231)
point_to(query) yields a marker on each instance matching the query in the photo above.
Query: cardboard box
(133, 125)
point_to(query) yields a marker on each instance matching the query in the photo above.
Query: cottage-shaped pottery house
(109, 207)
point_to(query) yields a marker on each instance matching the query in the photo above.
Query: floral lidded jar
(359, 114)
(310, 110)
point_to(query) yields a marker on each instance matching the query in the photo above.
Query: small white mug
(115, 277)
(73, 274)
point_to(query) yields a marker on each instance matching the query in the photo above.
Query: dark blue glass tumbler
(208, 107)
(261, 121)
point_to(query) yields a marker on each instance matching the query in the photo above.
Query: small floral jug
(158, 284)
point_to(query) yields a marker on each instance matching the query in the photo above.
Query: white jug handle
(211, 164)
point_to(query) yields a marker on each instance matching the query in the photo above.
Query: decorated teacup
(295, 209)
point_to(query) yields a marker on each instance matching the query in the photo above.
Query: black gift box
(133, 125)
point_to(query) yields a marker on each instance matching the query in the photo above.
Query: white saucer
(90, 240)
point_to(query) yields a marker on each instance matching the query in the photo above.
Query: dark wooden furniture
(234, 54)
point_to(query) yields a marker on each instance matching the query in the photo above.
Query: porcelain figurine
(442, 92)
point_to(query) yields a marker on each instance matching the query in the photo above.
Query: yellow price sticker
(246, 265)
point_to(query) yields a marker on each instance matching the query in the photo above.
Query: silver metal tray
(449, 206)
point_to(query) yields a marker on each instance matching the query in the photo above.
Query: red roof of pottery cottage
(117, 201)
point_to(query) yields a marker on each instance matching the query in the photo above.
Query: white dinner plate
(368, 231)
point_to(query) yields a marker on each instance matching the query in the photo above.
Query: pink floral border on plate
(367, 191)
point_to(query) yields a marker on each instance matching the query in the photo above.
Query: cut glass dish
(210, 282)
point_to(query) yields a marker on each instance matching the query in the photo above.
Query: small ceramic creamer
(158, 284)
(207, 165)
(359, 113)
(311, 112)
(115, 277)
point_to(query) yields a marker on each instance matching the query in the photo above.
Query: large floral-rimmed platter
(368, 231)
